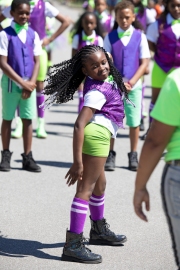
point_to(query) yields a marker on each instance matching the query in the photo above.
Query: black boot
(5, 161)
(29, 163)
(75, 250)
(100, 234)
(133, 161)
(110, 162)
(141, 127)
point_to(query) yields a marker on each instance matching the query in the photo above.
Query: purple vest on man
(83, 43)
(37, 19)
(167, 53)
(20, 55)
(143, 19)
(113, 109)
(107, 24)
(126, 58)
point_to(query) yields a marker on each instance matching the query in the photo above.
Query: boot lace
(106, 229)
(83, 242)
(5, 157)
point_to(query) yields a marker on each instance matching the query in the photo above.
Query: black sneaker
(5, 161)
(75, 250)
(110, 162)
(100, 234)
(29, 163)
(133, 161)
(141, 127)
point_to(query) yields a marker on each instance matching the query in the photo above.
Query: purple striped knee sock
(79, 210)
(150, 109)
(40, 98)
(96, 206)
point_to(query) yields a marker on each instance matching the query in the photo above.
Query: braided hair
(64, 78)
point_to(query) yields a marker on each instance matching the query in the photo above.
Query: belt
(174, 162)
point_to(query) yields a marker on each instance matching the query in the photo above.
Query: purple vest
(37, 19)
(107, 25)
(83, 43)
(143, 19)
(20, 55)
(113, 109)
(126, 58)
(167, 53)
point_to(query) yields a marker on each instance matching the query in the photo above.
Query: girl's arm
(157, 139)
(140, 72)
(36, 69)
(152, 46)
(7, 69)
(76, 171)
(65, 22)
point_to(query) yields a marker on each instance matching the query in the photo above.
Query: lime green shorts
(96, 140)
(133, 114)
(11, 100)
(43, 66)
(158, 76)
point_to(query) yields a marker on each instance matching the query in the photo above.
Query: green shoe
(40, 132)
(17, 133)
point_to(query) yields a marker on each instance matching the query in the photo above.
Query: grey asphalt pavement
(34, 208)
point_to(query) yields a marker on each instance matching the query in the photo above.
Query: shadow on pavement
(23, 248)
(50, 163)
(60, 111)
(61, 124)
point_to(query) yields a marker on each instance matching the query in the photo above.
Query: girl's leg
(6, 133)
(110, 162)
(29, 163)
(155, 94)
(100, 232)
(134, 136)
(6, 154)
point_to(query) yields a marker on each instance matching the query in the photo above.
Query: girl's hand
(74, 174)
(29, 85)
(25, 94)
(46, 42)
(141, 196)
(128, 86)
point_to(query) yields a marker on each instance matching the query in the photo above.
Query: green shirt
(167, 111)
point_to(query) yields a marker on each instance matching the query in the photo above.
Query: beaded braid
(65, 78)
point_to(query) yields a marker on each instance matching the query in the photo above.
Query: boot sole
(109, 169)
(73, 259)
(5, 170)
(31, 170)
(105, 242)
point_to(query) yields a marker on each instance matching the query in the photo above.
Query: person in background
(163, 133)
(20, 48)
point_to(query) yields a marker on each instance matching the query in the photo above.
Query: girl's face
(89, 24)
(97, 66)
(100, 6)
(21, 14)
(174, 8)
(125, 18)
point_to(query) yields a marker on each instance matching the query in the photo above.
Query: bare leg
(100, 185)
(27, 135)
(134, 136)
(86, 186)
(112, 144)
(155, 94)
(6, 133)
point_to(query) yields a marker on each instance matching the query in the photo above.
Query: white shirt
(75, 42)
(143, 48)
(50, 11)
(37, 50)
(104, 18)
(150, 16)
(153, 31)
(95, 99)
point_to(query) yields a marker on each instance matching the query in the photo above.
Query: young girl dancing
(102, 114)
(87, 31)
(164, 40)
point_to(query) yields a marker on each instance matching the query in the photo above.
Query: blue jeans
(170, 191)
